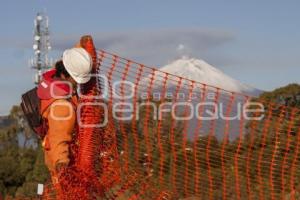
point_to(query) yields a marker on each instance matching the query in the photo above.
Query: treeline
(21, 164)
(264, 163)
(261, 164)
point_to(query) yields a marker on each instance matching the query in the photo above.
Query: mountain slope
(200, 71)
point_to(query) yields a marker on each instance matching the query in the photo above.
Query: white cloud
(180, 47)
(154, 47)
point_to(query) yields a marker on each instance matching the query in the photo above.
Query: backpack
(31, 106)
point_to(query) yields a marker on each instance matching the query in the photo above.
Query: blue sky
(256, 42)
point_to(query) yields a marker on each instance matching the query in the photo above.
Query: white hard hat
(78, 64)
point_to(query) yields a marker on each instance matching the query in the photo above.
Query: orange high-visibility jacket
(61, 119)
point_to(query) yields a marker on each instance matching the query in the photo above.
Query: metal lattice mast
(41, 46)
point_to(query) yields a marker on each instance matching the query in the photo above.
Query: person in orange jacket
(57, 92)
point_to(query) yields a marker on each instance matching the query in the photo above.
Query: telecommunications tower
(41, 46)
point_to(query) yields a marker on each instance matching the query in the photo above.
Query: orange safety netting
(167, 137)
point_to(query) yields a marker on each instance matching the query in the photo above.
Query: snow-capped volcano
(169, 87)
(200, 71)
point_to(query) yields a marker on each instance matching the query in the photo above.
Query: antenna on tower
(41, 46)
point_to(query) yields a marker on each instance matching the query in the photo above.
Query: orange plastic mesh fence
(173, 138)
(188, 139)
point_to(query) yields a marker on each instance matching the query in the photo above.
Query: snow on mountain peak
(200, 71)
